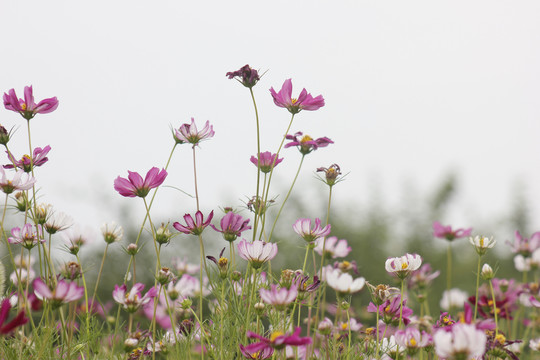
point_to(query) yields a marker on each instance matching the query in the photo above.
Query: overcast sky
(414, 90)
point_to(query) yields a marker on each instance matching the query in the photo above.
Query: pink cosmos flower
(306, 143)
(333, 248)
(39, 157)
(27, 107)
(19, 320)
(446, 232)
(524, 246)
(266, 161)
(133, 299)
(194, 227)
(188, 133)
(303, 228)
(19, 181)
(232, 226)
(390, 310)
(63, 293)
(27, 237)
(257, 252)
(412, 339)
(247, 76)
(304, 101)
(278, 340)
(402, 266)
(134, 185)
(257, 355)
(422, 277)
(281, 297)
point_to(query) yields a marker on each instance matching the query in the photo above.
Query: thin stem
(287, 197)
(255, 223)
(449, 266)
(477, 285)
(195, 177)
(99, 275)
(85, 298)
(494, 307)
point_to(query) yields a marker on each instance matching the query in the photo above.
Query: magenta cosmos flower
(446, 232)
(257, 252)
(134, 185)
(133, 299)
(303, 228)
(27, 237)
(188, 133)
(304, 101)
(306, 143)
(27, 107)
(19, 320)
(63, 293)
(266, 161)
(247, 76)
(232, 226)
(19, 181)
(278, 340)
(257, 355)
(194, 227)
(39, 157)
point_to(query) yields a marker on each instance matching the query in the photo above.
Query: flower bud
(71, 270)
(325, 327)
(259, 308)
(164, 276)
(236, 275)
(132, 249)
(287, 276)
(487, 272)
(163, 235)
(22, 201)
(4, 135)
(186, 304)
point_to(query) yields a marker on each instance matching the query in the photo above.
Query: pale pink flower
(133, 299)
(232, 226)
(402, 266)
(134, 185)
(188, 133)
(303, 228)
(27, 237)
(343, 283)
(446, 232)
(463, 341)
(27, 107)
(19, 181)
(333, 248)
(412, 339)
(305, 101)
(524, 246)
(257, 252)
(63, 293)
(279, 297)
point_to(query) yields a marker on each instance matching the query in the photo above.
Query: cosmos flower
(306, 143)
(27, 107)
(446, 232)
(257, 252)
(232, 226)
(277, 340)
(412, 339)
(279, 297)
(524, 246)
(303, 228)
(19, 320)
(246, 75)
(20, 181)
(402, 266)
(453, 298)
(266, 161)
(134, 185)
(39, 157)
(461, 341)
(333, 248)
(63, 293)
(133, 299)
(27, 237)
(482, 243)
(305, 101)
(194, 227)
(188, 133)
(343, 283)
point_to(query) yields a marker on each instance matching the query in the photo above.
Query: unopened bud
(132, 249)
(487, 272)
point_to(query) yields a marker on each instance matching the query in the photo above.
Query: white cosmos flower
(343, 283)
(463, 340)
(453, 298)
(402, 266)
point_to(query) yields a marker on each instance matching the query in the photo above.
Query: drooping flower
(194, 227)
(63, 293)
(257, 252)
(305, 101)
(134, 185)
(133, 299)
(19, 320)
(303, 228)
(27, 237)
(461, 341)
(402, 266)
(482, 243)
(277, 340)
(343, 283)
(331, 174)
(266, 161)
(446, 232)
(20, 181)
(232, 226)
(306, 143)
(279, 297)
(27, 107)
(188, 133)
(333, 248)
(39, 157)
(246, 75)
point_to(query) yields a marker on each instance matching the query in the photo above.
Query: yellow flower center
(23, 107)
(27, 157)
(413, 342)
(404, 266)
(255, 355)
(370, 331)
(275, 335)
(293, 101)
(223, 261)
(344, 326)
(306, 138)
(387, 309)
(346, 264)
(500, 339)
(482, 241)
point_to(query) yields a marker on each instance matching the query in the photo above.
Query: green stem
(99, 275)
(255, 223)
(477, 286)
(449, 267)
(85, 298)
(494, 307)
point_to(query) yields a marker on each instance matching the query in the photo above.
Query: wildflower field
(239, 304)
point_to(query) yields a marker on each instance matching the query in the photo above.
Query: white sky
(414, 89)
